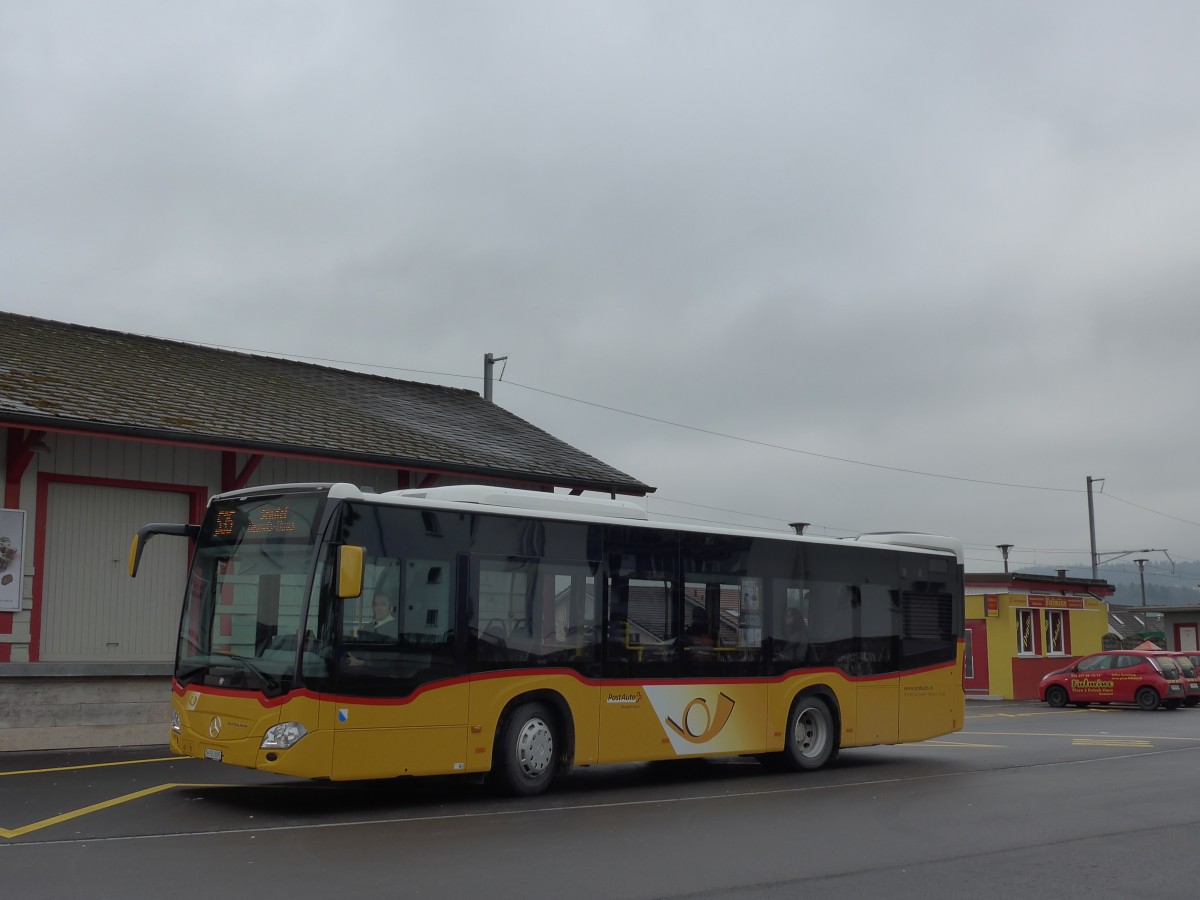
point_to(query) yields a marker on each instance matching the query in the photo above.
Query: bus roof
(543, 504)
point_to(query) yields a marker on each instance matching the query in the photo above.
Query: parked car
(1144, 677)
(1191, 676)
(1192, 656)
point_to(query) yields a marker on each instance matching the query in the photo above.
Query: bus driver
(383, 622)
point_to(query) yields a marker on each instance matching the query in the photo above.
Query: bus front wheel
(811, 739)
(526, 749)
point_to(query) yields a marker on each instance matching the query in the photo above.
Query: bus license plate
(214, 755)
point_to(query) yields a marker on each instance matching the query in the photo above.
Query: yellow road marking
(96, 807)
(127, 762)
(1116, 742)
(962, 744)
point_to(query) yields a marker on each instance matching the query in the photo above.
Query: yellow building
(1019, 627)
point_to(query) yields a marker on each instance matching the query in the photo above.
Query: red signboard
(1056, 602)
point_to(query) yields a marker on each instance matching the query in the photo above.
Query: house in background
(104, 432)
(1179, 625)
(1130, 626)
(1019, 627)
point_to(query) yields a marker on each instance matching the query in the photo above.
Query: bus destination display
(264, 520)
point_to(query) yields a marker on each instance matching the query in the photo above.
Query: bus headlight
(282, 736)
(176, 725)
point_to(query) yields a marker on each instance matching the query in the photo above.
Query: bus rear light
(176, 725)
(282, 736)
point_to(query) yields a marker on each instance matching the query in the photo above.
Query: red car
(1187, 663)
(1192, 656)
(1144, 677)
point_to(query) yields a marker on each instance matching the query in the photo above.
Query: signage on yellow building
(1056, 602)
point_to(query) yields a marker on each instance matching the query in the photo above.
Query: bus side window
(534, 612)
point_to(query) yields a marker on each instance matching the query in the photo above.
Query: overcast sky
(842, 243)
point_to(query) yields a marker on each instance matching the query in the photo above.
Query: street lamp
(1004, 548)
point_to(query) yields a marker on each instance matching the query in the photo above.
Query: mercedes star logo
(214, 727)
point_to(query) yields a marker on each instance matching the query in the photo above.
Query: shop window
(1026, 632)
(1056, 633)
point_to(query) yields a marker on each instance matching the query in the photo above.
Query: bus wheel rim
(535, 747)
(810, 733)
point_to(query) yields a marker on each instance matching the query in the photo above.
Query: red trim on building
(1027, 672)
(231, 478)
(1045, 587)
(19, 454)
(1178, 629)
(197, 493)
(980, 683)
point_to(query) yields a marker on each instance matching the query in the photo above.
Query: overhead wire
(714, 433)
(1148, 509)
(783, 447)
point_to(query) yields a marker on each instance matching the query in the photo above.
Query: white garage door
(91, 609)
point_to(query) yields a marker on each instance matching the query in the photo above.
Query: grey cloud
(938, 237)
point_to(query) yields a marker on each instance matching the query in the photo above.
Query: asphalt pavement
(1055, 803)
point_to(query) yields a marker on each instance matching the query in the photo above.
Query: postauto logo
(693, 720)
(692, 730)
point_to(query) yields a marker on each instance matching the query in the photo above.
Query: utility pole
(488, 362)
(1142, 576)
(1004, 548)
(1092, 521)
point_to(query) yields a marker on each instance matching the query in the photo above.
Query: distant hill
(1163, 587)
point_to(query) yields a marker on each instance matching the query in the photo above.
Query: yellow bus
(333, 633)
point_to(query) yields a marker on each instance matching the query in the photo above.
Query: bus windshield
(245, 597)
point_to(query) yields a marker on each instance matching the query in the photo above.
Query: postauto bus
(332, 633)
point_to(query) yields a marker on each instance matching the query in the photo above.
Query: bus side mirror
(135, 555)
(138, 544)
(350, 571)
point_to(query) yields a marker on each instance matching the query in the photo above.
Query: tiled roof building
(55, 375)
(104, 432)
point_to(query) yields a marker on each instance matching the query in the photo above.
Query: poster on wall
(12, 563)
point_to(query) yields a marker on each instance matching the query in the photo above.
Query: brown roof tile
(54, 374)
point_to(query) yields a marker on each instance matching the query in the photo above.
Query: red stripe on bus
(270, 702)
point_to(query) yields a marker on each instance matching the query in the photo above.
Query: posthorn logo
(701, 725)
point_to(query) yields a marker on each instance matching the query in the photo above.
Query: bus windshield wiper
(187, 675)
(269, 681)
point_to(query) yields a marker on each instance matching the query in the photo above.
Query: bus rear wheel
(811, 741)
(525, 751)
